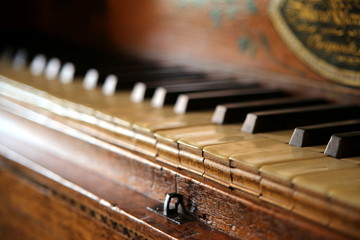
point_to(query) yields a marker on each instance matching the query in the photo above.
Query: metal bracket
(175, 213)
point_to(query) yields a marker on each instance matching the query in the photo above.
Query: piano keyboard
(242, 145)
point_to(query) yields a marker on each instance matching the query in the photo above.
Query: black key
(126, 68)
(236, 112)
(82, 57)
(107, 65)
(121, 70)
(102, 75)
(128, 80)
(344, 145)
(169, 93)
(321, 133)
(292, 117)
(144, 90)
(7, 54)
(208, 100)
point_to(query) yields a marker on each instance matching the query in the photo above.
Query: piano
(180, 119)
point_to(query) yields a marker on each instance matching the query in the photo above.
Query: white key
(37, 65)
(158, 98)
(90, 79)
(138, 92)
(181, 101)
(67, 73)
(109, 86)
(52, 68)
(19, 61)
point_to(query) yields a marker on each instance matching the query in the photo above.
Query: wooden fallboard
(256, 36)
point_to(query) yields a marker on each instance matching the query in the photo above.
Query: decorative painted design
(221, 10)
(323, 34)
(247, 45)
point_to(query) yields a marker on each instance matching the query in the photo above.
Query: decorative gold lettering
(337, 12)
(350, 60)
(354, 33)
(306, 28)
(332, 31)
(316, 41)
(323, 33)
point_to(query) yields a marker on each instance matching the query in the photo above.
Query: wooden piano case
(65, 179)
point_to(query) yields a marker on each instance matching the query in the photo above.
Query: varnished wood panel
(235, 38)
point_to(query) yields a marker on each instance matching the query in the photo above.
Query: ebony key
(236, 112)
(208, 100)
(320, 134)
(168, 94)
(142, 90)
(344, 145)
(283, 119)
